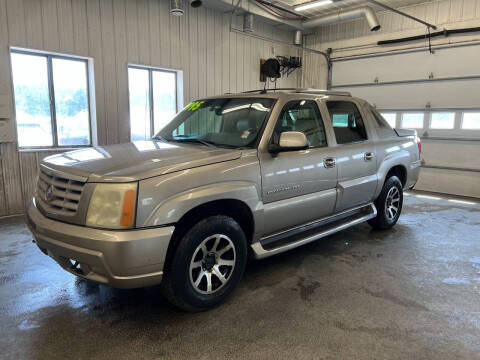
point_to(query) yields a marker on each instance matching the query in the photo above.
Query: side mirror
(290, 141)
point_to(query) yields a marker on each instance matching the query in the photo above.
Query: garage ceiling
(346, 4)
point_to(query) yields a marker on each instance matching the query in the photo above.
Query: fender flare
(401, 158)
(173, 208)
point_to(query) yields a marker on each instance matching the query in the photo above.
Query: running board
(286, 240)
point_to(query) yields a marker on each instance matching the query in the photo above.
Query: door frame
(280, 208)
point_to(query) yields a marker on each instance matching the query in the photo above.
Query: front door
(298, 186)
(356, 160)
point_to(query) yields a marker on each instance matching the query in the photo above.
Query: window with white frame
(471, 120)
(435, 119)
(412, 120)
(51, 100)
(390, 117)
(442, 120)
(153, 100)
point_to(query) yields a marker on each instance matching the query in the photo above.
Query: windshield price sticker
(194, 105)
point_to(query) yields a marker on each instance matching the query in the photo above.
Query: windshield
(219, 122)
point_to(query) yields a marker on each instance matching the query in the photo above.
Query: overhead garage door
(448, 80)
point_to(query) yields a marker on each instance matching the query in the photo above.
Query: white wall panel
(202, 52)
(34, 33)
(445, 153)
(143, 39)
(449, 181)
(440, 94)
(51, 40)
(121, 56)
(13, 34)
(469, 7)
(80, 33)
(65, 25)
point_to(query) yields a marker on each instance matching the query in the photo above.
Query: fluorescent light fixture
(312, 4)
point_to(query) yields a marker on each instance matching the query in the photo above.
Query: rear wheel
(389, 204)
(207, 264)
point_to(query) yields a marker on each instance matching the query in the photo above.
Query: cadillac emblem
(49, 194)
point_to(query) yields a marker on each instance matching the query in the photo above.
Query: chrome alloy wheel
(212, 264)
(392, 203)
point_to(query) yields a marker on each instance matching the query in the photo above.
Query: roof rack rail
(301, 90)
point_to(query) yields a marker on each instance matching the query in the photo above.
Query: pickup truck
(257, 173)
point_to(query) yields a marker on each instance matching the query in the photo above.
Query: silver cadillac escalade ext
(260, 172)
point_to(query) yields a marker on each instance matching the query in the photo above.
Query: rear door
(298, 186)
(355, 154)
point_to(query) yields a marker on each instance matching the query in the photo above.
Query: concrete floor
(412, 292)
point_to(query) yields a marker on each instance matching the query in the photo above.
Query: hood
(137, 160)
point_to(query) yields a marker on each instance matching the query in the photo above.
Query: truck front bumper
(123, 259)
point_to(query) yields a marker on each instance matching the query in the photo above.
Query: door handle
(329, 163)
(368, 156)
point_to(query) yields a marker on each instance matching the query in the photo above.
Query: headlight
(112, 206)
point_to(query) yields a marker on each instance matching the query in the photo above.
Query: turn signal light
(128, 210)
(419, 144)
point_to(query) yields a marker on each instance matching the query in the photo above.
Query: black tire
(178, 287)
(384, 219)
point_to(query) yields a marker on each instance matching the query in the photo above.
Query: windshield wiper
(201, 141)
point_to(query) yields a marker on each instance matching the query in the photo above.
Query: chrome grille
(58, 194)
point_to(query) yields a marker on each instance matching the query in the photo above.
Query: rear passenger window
(347, 122)
(303, 116)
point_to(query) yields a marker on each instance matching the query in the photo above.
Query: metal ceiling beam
(375, 2)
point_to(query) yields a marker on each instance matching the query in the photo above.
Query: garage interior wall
(115, 33)
(451, 158)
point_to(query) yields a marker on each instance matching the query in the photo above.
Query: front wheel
(207, 264)
(389, 204)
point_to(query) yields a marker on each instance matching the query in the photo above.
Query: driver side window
(303, 116)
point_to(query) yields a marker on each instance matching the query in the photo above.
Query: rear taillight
(419, 144)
